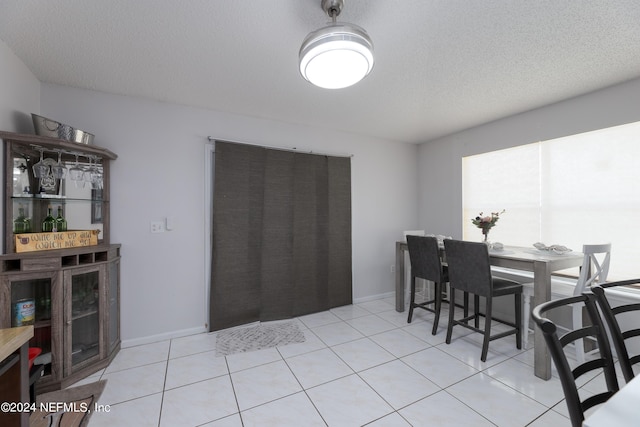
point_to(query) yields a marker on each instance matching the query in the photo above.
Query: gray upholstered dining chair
(426, 264)
(470, 271)
(407, 265)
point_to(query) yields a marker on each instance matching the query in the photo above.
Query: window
(571, 191)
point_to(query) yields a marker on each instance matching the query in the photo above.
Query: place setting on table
(486, 222)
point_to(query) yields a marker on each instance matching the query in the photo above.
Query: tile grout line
(164, 383)
(235, 395)
(304, 390)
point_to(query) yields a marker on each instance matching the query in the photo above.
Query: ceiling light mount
(338, 55)
(332, 7)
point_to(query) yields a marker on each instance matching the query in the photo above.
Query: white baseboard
(374, 297)
(162, 337)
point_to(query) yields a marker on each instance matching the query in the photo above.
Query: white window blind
(571, 191)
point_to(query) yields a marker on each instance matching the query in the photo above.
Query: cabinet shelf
(54, 199)
(83, 314)
(59, 258)
(49, 143)
(42, 324)
(80, 355)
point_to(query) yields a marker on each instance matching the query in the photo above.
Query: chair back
(623, 330)
(556, 344)
(424, 255)
(413, 233)
(469, 266)
(595, 267)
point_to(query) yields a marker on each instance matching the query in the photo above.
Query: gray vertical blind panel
(277, 288)
(310, 234)
(339, 199)
(235, 292)
(282, 234)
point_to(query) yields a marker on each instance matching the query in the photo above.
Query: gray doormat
(258, 337)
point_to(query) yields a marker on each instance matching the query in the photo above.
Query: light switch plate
(157, 226)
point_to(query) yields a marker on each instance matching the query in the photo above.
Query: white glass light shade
(336, 56)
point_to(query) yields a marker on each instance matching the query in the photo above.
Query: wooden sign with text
(30, 242)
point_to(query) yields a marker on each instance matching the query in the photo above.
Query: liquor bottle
(49, 223)
(61, 223)
(21, 224)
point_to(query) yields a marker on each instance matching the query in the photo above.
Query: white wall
(19, 97)
(160, 173)
(440, 160)
(19, 93)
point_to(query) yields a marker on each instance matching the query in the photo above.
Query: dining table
(621, 410)
(14, 375)
(541, 263)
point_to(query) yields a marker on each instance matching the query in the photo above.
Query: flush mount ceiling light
(338, 55)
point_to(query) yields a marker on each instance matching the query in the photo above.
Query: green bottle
(61, 223)
(49, 223)
(21, 224)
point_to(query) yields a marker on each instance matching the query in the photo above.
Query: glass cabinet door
(31, 298)
(113, 297)
(82, 314)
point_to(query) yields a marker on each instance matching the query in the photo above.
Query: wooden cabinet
(71, 296)
(76, 307)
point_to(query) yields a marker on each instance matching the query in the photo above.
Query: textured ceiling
(441, 65)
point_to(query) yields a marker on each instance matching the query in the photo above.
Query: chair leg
(526, 313)
(476, 310)
(518, 300)
(465, 303)
(452, 306)
(413, 298)
(438, 303)
(487, 330)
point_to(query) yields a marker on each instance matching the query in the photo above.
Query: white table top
(621, 410)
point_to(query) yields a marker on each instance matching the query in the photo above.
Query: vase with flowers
(486, 222)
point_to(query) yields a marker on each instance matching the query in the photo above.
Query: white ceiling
(441, 65)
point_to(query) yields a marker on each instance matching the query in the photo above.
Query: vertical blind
(281, 234)
(580, 189)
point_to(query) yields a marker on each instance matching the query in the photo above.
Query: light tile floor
(360, 365)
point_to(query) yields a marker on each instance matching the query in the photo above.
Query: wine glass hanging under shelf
(91, 174)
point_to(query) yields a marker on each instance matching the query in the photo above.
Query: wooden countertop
(12, 338)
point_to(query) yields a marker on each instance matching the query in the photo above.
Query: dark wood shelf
(58, 258)
(58, 144)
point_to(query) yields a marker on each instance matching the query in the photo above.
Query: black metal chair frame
(34, 374)
(618, 336)
(483, 284)
(426, 264)
(556, 344)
